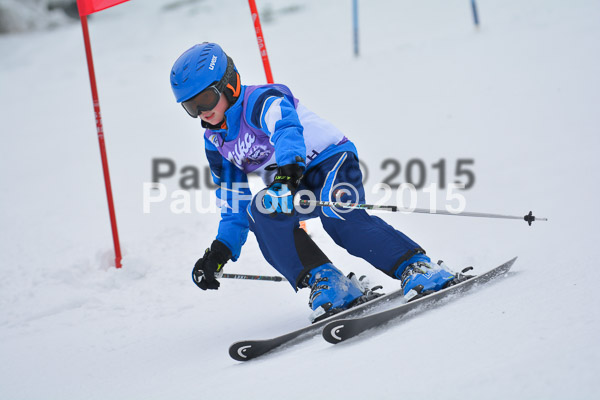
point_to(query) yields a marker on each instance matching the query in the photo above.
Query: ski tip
(507, 265)
(240, 351)
(332, 332)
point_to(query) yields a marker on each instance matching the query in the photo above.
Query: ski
(248, 349)
(345, 328)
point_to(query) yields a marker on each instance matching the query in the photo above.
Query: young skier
(266, 130)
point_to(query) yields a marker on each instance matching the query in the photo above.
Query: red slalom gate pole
(261, 41)
(100, 131)
(262, 47)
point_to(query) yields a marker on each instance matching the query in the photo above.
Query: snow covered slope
(520, 97)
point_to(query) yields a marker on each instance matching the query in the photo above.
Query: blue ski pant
(293, 253)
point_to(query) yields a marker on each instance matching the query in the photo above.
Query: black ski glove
(210, 266)
(290, 174)
(279, 197)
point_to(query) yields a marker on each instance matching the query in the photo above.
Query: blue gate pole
(355, 23)
(475, 16)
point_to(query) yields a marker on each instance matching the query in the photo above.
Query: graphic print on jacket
(274, 119)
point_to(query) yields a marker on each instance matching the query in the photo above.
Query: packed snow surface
(520, 97)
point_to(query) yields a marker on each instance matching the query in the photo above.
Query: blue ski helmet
(198, 68)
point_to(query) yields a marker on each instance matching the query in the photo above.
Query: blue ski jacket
(265, 128)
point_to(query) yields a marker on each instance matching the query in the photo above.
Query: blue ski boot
(420, 277)
(331, 291)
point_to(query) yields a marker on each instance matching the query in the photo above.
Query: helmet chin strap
(206, 125)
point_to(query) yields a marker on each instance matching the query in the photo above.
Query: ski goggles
(207, 99)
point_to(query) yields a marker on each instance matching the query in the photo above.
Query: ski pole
(529, 218)
(255, 277)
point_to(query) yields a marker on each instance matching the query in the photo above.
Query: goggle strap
(238, 88)
(226, 76)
